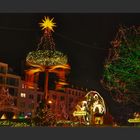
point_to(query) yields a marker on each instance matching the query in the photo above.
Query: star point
(47, 23)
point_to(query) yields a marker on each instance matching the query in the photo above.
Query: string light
(121, 69)
(59, 35)
(46, 58)
(46, 55)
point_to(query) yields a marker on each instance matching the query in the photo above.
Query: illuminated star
(47, 24)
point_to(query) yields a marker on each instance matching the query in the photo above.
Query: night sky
(84, 38)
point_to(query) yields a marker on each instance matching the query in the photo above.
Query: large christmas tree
(122, 67)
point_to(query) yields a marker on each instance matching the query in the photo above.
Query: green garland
(46, 58)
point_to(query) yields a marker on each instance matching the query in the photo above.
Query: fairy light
(47, 58)
(46, 55)
(121, 69)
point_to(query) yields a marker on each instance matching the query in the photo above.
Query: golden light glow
(47, 24)
(23, 95)
(62, 83)
(3, 117)
(30, 87)
(50, 102)
(35, 65)
(14, 117)
(52, 68)
(34, 70)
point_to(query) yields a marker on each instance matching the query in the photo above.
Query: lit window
(23, 86)
(23, 95)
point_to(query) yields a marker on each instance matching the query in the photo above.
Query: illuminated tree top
(46, 54)
(47, 24)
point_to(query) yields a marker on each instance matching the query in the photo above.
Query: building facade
(29, 99)
(27, 95)
(63, 103)
(11, 84)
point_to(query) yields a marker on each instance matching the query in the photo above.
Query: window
(2, 80)
(3, 70)
(70, 100)
(54, 97)
(21, 113)
(22, 104)
(68, 91)
(72, 92)
(31, 96)
(15, 102)
(62, 98)
(13, 91)
(38, 98)
(31, 106)
(60, 107)
(23, 85)
(12, 81)
(23, 95)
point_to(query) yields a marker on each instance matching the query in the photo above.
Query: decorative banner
(79, 113)
(136, 120)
